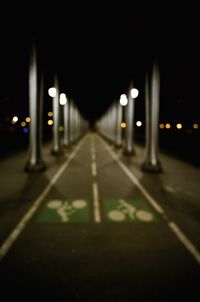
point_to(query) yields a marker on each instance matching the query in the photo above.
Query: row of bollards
(110, 125)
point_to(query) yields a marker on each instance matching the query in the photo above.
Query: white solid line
(94, 169)
(4, 248)
(176, 230)
(151, 200)
(185, 241)
(97, 213)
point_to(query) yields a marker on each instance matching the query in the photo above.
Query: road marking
(169, 189)
(93, 152)
(94, 169)
(184, 240)
(151, 200)
(7, 244)
(176, 230)
(97, 212)
(64, 211)
(93, 156)
(121, 210)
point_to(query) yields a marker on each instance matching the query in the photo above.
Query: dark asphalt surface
(63, 252)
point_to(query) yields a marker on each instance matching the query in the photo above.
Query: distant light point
(123, 100)
(138, 123)
(179, 126)
(123, 125)
(52, 92)
(134, 93)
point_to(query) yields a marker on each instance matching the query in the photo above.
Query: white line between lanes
(94, 169)
(97, 212)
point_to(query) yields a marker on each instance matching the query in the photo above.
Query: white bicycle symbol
(124, 210)
(65, 209)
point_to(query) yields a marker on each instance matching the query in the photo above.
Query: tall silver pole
(35, 161)
(71, 117)
(114, 122)
(66, 124)
(56, 150)
(152, 98)
(118, 126)
(129, 120)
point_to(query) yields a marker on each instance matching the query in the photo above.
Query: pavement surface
(95, 227)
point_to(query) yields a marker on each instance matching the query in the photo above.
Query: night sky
(97, 51)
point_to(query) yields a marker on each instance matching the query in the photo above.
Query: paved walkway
(94, 227)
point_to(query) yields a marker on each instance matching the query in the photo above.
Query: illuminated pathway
(94, 227)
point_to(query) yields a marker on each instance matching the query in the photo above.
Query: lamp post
(152, 96)
(35, 161)
(119, 112)
(71, 121)
(54, 93)
(118, 125)
(64, 102)
(129, 119)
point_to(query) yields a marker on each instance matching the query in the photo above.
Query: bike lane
(42, 254)
(147, 259)
(96, 237)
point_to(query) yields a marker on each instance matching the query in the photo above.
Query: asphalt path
(94, 227)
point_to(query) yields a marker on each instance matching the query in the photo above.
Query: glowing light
(179, 126)
(195, 126)
(25, 130)
(15, 119)
(28, 119)
(123, 125)
(134, 93)
(139, 123)
(50, 113)
(50, 122)
(63, 99)
(23, 124)
(52, 92)
(162, 126)
(167, 126)
(123, 100)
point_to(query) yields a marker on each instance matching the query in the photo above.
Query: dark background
(97, 50)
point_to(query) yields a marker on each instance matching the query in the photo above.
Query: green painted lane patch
(120, 210)
(65, 211)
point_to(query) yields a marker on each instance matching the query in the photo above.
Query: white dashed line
(94, 169)
(97, 212)
(93, 156)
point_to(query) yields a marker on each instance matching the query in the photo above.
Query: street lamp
(65, 104)
(129, 119)
(123, 100)
(63, 99)
(134, 93)
(54, 93)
